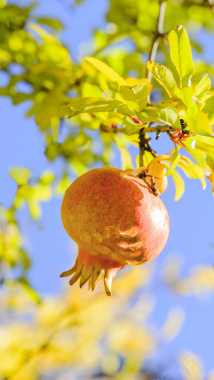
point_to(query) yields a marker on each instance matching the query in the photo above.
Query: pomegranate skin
(116, 220)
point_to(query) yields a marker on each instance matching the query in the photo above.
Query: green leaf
(20, 174)
(130, 127)
(192, 170)
(42, 192)
(175, 158)
(131, 82)
(49, 108)
(199, 156)
(197, 121)
(91, 105)
(170, 104)
(62, 185)
(167, 116)
(179, 185)
(208, 109)
(107, 71)
(136, 94)
(24, 259)
(21, 97)
(181, 56)
(54, 24)
(34, 209)
(47, 177)
(206, 144)
(104, 85)
(31, 292)
(202, 87)
(186, 94)
(164, 76)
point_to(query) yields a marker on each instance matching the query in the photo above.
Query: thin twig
(159, 128)
(152, 54)
(157, 34)
(144, 146)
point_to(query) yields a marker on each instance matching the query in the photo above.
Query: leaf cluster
(192, 105)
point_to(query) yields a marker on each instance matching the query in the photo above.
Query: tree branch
(157, 34)
(144, 146)
(152, 54)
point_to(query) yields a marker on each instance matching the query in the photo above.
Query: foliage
(108, 97)
(188, 103)
(115, 340)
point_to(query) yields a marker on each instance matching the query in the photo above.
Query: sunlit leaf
(47, 177)
(202, 87)
(173, 323)
(186, 94)
(31, 292)
(206, 144)
(20, 174)
(179, 185)
(180, 53)
(208, 109)
(136, 94)
(41, 32)
(92, 105)
(48, 111)
(175, 158)
(62, 185)
(107, 71)
(104, 85)
(34, 209)
(167, 116)
(197, 121)
(130, 127)
(164, 76)
(135, 81)
(191, 366)
(192, 170)
(42, 192)
(199, 156)
(21, 97)
(54, 24)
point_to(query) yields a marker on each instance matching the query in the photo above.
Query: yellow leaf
(173, 323)
(134, 81)
(191, 366)
(107, 71)
(179, 185)
(164, 76)
(192, 170)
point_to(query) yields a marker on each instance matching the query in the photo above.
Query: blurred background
(158, 323)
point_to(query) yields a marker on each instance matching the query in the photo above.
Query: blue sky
(191, 234)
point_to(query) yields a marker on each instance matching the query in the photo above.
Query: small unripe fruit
(116, 220)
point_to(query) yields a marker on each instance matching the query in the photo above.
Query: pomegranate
(116, 220)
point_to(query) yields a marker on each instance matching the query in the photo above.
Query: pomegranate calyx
(92, 269)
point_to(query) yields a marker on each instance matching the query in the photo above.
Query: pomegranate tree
(116, 220)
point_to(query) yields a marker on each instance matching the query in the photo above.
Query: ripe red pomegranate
(116, 220)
